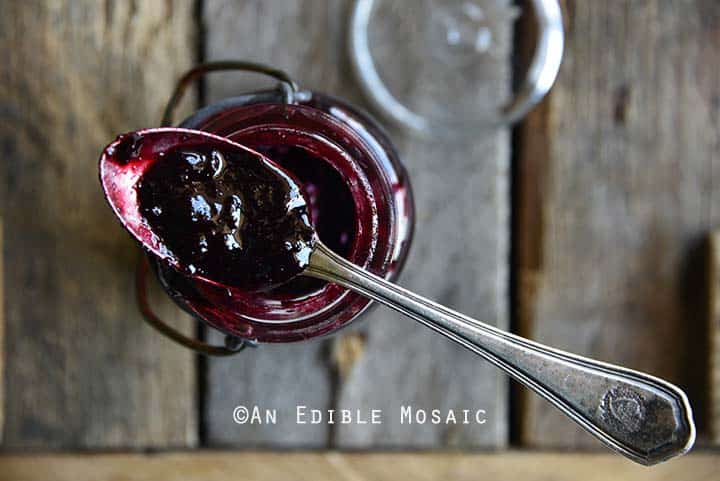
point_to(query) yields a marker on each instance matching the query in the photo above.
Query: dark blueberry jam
(219, 211)
(331, 206)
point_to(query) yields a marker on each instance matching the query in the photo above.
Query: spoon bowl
(209, 207)
(125, 161)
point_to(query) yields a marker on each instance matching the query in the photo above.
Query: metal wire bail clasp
(287, 86)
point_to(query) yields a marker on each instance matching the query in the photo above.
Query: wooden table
(584, 227)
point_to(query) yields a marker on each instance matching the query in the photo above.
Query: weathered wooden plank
(299, 37)
(269, 466)
(459, 253)
(618, 185)
(714, 335)
(82, 369)
(459, 258)
(2, 329)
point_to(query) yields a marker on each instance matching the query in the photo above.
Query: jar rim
(344, 305)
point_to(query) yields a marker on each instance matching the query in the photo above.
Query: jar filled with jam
(359, 202)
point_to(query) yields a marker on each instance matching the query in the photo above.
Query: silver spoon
(639, 416)
(642, 417)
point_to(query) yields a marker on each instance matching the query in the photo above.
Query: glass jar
(359, 197)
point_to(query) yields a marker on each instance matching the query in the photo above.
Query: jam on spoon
(642, 417)
(215, 209)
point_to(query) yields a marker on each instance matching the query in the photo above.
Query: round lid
(441, 67)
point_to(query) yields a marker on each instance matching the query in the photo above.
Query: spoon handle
(642, 417)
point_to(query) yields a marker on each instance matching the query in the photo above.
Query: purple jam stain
(127, 148)
(221, 212)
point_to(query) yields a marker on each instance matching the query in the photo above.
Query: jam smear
(220, 211)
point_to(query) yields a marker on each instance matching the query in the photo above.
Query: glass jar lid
(433, 67)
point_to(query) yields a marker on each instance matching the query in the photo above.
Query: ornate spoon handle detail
(642, 417)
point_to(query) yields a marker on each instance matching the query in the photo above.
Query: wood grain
(296, 36)
(269, 466)
(618, 185)
(459, 254)
(714, 335)
(82, 369)
(459, 258)
(2, 328)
